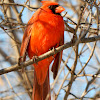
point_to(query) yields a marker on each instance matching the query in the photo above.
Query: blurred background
(82, 20)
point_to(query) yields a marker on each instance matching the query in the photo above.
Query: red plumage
(44, 30)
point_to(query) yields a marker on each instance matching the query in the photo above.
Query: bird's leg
(20, 60)
(53, 48)
(34, 59)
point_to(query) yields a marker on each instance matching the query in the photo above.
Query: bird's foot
(35, 59)
(20, 60)
(53, 49)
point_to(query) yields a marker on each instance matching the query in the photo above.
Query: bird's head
(52, 7)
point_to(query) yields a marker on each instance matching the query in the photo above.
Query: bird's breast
(44, 36)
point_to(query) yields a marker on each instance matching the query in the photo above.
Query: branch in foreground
(48, 54)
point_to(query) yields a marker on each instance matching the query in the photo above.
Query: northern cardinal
(44, 31)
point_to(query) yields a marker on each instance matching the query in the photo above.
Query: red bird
(44, 31)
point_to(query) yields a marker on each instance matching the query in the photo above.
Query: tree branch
(48, 54)
(16, 4)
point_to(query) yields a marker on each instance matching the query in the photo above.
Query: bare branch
(48, 54)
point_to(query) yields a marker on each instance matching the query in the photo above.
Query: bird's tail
(41, 92)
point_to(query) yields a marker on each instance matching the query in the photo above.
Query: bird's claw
(34, 59)
(20, 60)
(53, 48)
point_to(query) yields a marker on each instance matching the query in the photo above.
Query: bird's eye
(50, 7)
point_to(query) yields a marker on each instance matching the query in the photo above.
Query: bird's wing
(26, 38)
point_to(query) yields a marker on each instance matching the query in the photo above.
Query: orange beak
(59, 9)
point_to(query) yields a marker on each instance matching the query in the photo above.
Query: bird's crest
(48, 3)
